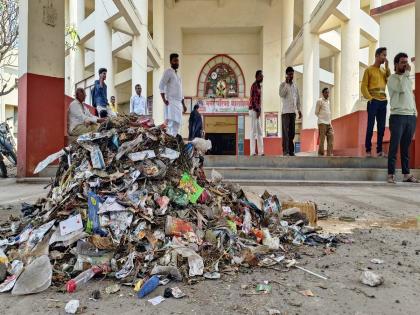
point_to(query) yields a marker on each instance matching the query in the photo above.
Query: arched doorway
(222, 93)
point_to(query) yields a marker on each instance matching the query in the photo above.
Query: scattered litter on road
(112, 289)
(377, 261)
(308, 293)
(72, 306)
(156, 300)
(371, 279)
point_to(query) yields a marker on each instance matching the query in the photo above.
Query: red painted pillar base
(41, 120)
(416, 157)
(308, 140)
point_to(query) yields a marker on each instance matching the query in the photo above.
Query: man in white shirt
(79, 119)
(171, 91)
(291, 103)
(138, 103)
(323, 112)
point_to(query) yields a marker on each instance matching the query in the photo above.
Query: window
(221, 77)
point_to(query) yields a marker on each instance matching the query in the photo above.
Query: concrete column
(41, 82)
(79, 56)
(337, 85)
(310, 69)
(76, 71)
(350, 44)
(286, 30)
(416, 159)
(103, 46)
(372, 50)
(158, 40)
(139, 50)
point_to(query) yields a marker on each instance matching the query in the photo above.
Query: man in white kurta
(171, 91)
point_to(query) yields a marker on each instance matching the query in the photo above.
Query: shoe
(286, 154)
(292, 154)
(382, 154)
(391, 179)
(369, 154)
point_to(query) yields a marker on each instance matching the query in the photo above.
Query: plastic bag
(142, 155)
(190, 186)
(93, 225)
(48, 160)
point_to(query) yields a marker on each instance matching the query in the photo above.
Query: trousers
(256, 133)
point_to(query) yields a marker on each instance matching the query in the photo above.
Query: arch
(221, 76)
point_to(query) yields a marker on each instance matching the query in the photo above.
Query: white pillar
(76, 16)
(286, 30)
(158, 40)
(337, 85)
(350, 44)
(139, 50)
(372, 50)
(103, 46)
(375, 4)
(310, 69)
(79, 60)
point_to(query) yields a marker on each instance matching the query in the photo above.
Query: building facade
(221, 44)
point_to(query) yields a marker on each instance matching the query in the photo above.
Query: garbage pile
(134, 203)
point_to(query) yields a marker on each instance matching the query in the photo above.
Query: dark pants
(288, 132)
(402, 129)
(376, 110)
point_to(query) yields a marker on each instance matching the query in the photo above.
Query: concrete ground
(385, 228)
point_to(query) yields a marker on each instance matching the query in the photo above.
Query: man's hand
(300, 115)
(166, 102)
(408, 67)
(386, 63)
(258, 115)
(184, 108)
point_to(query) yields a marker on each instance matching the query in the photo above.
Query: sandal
(391, 179)
(411, 179)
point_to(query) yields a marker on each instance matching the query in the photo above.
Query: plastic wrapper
(119, 222)
(195, 261)
(190, 186)
(140, 156)
(15, 271)
(97, 158)
(48, 160)
(169, 154)
(37, 235)
(127, 268)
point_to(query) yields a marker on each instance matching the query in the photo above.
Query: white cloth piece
(171, 85)
(289, 94)
(138, 105)
(256, 133)
(323, 111)
(173, 128)
(78, 114)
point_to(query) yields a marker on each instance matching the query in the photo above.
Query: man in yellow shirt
(373, 89)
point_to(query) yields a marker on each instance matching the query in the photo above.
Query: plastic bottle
(148, 287)
(82, 279)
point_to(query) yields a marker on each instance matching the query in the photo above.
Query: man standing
(289, 94)
(99, 95)
(402, 122)
(195, 128)
(255, 114)
(171, 91)
(113, 105)
(138, 103)
(373, 89)
(323, 112)
(80, 119)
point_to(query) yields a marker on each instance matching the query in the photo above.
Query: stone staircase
(267, 170)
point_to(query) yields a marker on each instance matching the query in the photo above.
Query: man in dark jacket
(195, 124)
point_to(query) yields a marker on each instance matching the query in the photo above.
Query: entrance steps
(308, 170)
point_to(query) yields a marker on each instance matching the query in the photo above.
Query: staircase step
(295, 161)
(264, 174)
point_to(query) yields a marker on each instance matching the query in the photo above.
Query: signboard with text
(271, 124)
(222, 105)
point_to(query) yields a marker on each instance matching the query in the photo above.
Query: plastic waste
(127, 268)
(35, 278)
(216, 177)
(177, 227)
(156, 300)
(112, 289)
(171, 271)
(72, 306)
(93, 225)
(15, 271)
(140, 156)
(148, 287)
(190, 186)
(371, 279)
(173, 292)
(247, 224)
(201, 145)
(271, 242)
(263, 287)
(76, 283)
(48, 160)
(195, 261)
(170, 154)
